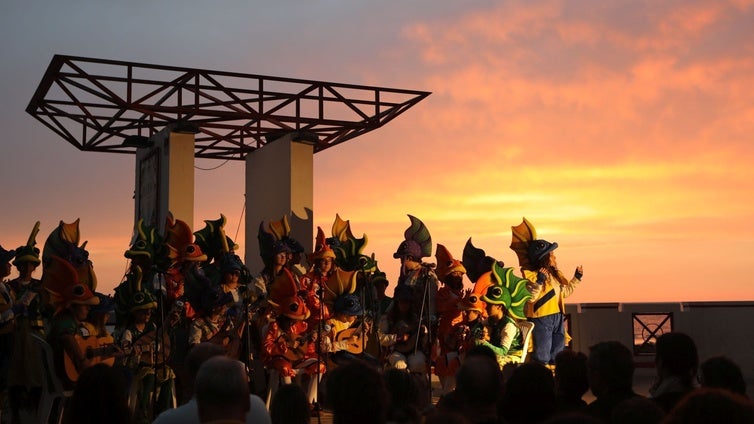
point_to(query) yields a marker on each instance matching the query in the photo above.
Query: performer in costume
(72, 302)
(9, 309)
(505, 298)
(145, 346)
(450, 272)
(381, 283)
(348, 331)
(281, 230)
(403, 334)
(214, 323)
(349, 257)
(313, 282)
(415, 274)
(289, 345)
(184, 279)
(474, 322)
(24, 378)
(274, 254)
(548, 286)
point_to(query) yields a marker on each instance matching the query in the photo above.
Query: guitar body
(96, 350)
(355, 339)
(146, 346)
(297, 347)
(230, 339)
(403, 329)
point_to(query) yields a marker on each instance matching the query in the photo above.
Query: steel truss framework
(95, 104)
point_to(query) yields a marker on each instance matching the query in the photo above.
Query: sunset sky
(621, 129)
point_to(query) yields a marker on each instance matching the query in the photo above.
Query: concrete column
(279, 181)
(165, 178)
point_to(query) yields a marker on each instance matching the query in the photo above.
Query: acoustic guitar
(297, 346)
(229, 337)
(355, 338)
(407, 335)
(96, 350)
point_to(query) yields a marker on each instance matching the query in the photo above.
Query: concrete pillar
(279, 181)
(165, 178)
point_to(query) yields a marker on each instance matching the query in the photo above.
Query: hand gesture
(579, 272)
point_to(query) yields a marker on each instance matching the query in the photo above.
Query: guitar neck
(94, 352)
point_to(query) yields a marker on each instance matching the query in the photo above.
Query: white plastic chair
(526, 328)
(52, 400)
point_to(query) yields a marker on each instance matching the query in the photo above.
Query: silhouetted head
(611, 368)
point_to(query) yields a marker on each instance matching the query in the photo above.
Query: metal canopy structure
(96, 104)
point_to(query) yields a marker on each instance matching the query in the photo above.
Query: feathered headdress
(476, 261)
(270, 243)
(507, 290)
(445, 263)
(322, 250)
(281, 230)
(149, 244)
(131, 295)
(348, 249)
(340, 283)
(63, 242)
(284, 297)
(180, 242)
(29, 252)
(6, 255)
(61, 281)
(417, 243)
(212, 238)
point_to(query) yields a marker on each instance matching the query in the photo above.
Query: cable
(212, 169)
(243, 209)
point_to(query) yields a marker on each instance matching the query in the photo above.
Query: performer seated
(505, 299)
(216, 324)
(474, 321)
(146, 349)
(289, 346)
(402, 335)
(72, 302)
(348, 331)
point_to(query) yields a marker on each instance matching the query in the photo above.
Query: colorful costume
(24, 377)
(146, 347)
(510, 292)
(213, 323)
(65, 291)
(548, 287)
(288, 344)
(313, 282)
(403, 335)
(450, 272)
(417, 276)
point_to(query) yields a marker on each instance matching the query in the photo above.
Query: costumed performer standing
(548, 286)
(450, 271)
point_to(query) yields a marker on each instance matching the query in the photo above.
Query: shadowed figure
(290, 406)
(712, 406)
(721, 372)
(571, 380)
(99, 397)
(611, 372)
(676, 363)
(356, 394)
(528, 395)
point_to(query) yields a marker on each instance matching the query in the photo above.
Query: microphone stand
(247, 330)
(157, 284)
(320, 328)
(424, 270)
